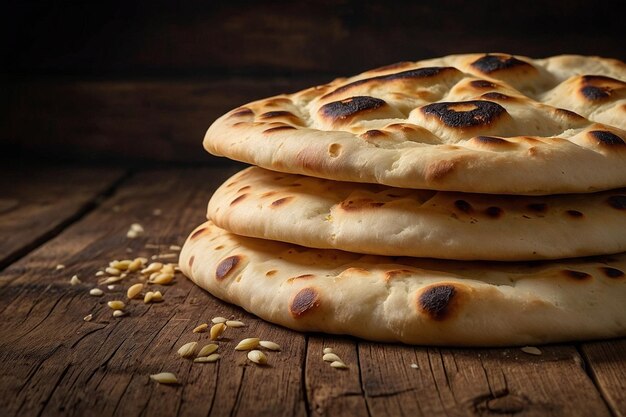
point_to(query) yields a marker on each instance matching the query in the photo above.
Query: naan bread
(484, 123)
(381, 220)
(411, 300)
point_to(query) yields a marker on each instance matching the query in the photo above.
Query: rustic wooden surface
(53, 363)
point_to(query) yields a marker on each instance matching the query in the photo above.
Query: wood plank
(333, 392)
(89, 120)
(37, 202)
(197, 37)
(54, 363)
(476, 382)
(606, 363)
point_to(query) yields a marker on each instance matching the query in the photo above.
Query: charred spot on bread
(436, 301)
(305, 301)
(226, 266)
(492, 63)
(603, 137)
(343, 109)
(465, 113)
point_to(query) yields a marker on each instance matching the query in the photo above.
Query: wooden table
(55, 363)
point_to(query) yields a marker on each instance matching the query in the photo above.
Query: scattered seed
(152, 297)
(187, 350)
(97, 292)
(143, 260)
(132, 234)
(110, 280)
(75, 280)
(167, 255)
(134, 290)
(338, 365)
(217, 330)
(112, 271)
(207, 349)
(217, 320)
(414, 366)
(211, 358)
(61, 266)
(118, 313)
(151, 246)
(164, 378)
(201, 328)
(167, 269)
(137, 227)
(153, 267)
(134, 265)
(153, 257)
(330, 357)
(88, 317)
(116, 305)
(162, 279)
(269, 345)
(328, 350)
(234, 323)
(121, 265)
(531, 350)
(257, 357)
(111, 287)
(175, 247)
(247, 344)
(99, 273)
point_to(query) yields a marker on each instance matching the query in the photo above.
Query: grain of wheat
(216, 320)
(175, 247)
(164, 378)
(257, 357)
(211, 358)
(162, 279)
(96, 292)
(88, 317)
(60, 266)
(188, 349)
(135, 265)
(134, 290)
(207, 349)
(247, 344)
(112, 271)
(234, 323)
(75, 280)
(328, 350)
(269, 345)
(116, 305)
(331, 357)
(153, 267)
(201, 328)
(338, 365)
(217, 330)
(531, 350)
(99, 273)
(118, 313)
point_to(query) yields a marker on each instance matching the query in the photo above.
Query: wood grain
(53, 363)
(605, 362)
(38, 202)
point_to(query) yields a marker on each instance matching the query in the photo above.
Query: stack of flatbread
(466, 200)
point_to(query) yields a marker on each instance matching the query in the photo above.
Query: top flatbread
(479, 123)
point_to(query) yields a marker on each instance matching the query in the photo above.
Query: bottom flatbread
(411, 300)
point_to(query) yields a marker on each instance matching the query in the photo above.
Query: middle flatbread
(382, 220)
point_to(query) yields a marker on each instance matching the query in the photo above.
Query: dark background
(140, 81)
